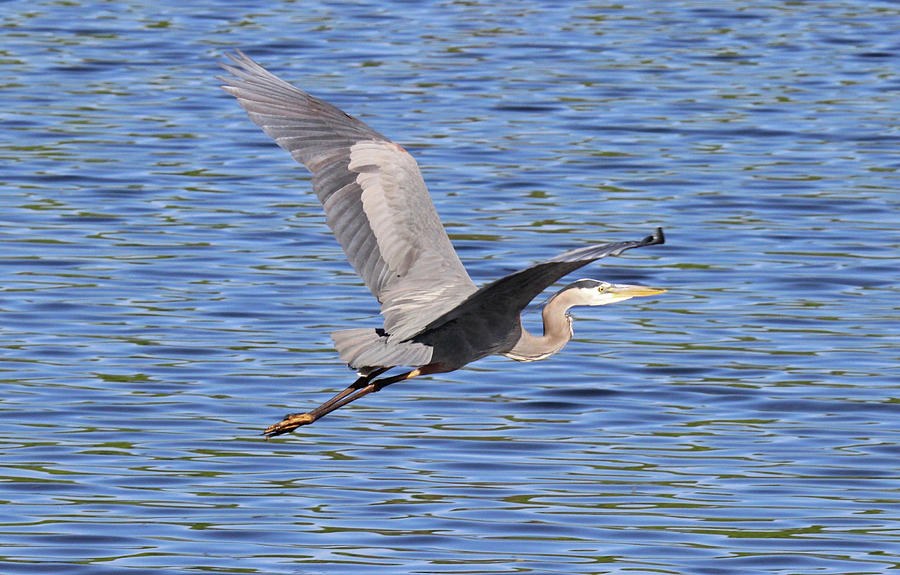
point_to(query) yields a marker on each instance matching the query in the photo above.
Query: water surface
(169, 284)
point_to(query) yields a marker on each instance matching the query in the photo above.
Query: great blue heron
(435, 319)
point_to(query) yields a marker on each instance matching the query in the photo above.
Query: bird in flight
(436, 319)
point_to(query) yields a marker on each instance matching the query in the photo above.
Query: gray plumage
(377, 205)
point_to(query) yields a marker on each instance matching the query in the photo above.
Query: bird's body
(435, 318)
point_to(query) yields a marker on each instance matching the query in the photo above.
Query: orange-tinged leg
(360, 388)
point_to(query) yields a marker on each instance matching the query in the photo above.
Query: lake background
(167, 285)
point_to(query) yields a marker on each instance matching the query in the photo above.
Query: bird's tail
(366, 349)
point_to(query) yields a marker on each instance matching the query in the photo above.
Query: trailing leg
(360, 388)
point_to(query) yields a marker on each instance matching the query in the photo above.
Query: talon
(290, 422)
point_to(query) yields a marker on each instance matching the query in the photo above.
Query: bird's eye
(601, 289)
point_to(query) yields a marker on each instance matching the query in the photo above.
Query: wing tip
(238, 58)
(657, 238)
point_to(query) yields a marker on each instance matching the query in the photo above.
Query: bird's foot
(290, 422)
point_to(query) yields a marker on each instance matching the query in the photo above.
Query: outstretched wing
(508, 296)
(375, 199)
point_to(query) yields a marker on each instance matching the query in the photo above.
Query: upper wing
(375, 199)
(510, 294)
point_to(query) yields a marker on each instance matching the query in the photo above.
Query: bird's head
(595, 292)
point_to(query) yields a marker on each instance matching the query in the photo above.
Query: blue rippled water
(168, 285)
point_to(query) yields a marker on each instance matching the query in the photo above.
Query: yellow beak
(634, 291)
